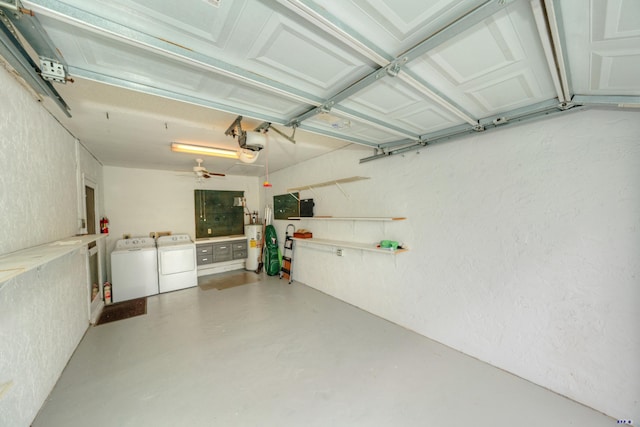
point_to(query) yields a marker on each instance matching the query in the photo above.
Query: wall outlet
(208, 231)
(340, 252)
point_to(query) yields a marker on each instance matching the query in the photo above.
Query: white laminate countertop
(16, 263)
(220, 239)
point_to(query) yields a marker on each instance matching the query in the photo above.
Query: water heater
(253, 233)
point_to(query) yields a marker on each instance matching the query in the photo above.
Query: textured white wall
(139, 201)
(525, 248)
(37, 172)
(43, 313)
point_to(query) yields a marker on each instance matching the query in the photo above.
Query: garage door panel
(133, 64)
(603, 46)
(350, 127)
(395, 26)
(281, 45)
(199, 26)
(392, 100)
(475, 68)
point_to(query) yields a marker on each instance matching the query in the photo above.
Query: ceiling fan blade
(208, 174)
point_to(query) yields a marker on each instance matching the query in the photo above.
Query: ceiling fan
(202, 172)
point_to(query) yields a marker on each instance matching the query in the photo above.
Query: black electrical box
(306, 207)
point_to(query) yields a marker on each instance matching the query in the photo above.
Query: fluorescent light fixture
(206, 151)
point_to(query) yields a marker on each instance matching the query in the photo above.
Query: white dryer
(176, 263)
(134, 269)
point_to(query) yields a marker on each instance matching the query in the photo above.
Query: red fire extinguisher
(104, 225)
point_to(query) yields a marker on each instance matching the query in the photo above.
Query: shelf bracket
(341, 189)
(313, 192)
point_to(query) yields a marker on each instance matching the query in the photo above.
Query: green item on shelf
(389, 244)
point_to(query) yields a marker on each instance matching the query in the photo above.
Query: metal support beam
(31, 29)
(12, 5)
(550, 38)
(19, 59)
(526, 114)
(265, 126)
(560, 46)
(621, 101)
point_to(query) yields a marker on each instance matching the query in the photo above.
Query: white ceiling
(392, 74)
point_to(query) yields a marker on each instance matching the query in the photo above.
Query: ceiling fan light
(206, 151)
(248, 156)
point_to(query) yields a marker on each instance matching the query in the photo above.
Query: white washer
(134, 269)
(176, 263)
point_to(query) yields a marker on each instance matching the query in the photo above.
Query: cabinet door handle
(222, 247)
(205, 259)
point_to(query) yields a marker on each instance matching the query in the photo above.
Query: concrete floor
(272, 354)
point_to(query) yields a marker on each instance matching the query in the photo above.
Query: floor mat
(123, 310)
(226, 281)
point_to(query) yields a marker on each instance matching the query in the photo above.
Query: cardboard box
(306, 235)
